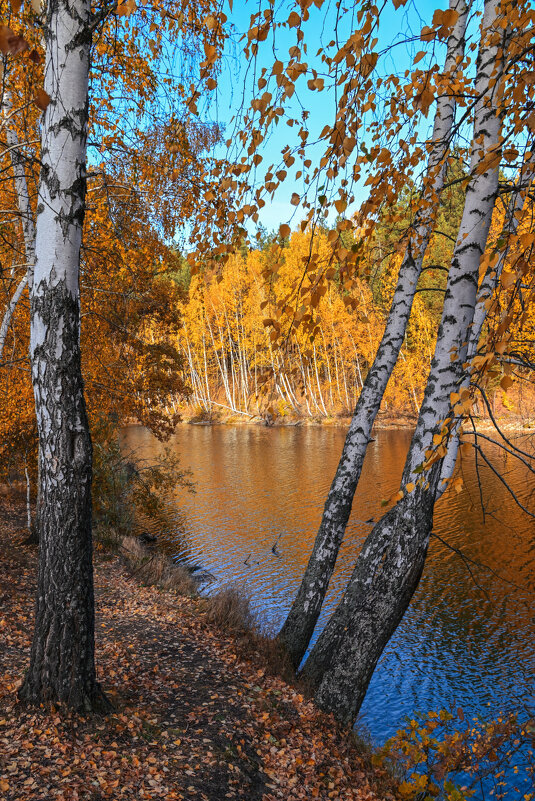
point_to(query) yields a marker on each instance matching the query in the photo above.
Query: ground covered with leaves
(192, 719)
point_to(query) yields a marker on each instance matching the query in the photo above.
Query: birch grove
(336, 315)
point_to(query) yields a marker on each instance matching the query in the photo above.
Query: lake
(468, 638)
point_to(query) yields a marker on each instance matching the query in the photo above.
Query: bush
(230, 610)
(130, 493)
(434, 750)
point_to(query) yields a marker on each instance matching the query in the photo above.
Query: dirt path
(191, 719)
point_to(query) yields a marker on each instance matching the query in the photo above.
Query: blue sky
(400, 27)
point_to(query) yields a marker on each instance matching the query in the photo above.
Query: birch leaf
(41, 99)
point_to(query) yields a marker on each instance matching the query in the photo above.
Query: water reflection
(468, 637)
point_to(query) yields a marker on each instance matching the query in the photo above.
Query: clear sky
(400, 27)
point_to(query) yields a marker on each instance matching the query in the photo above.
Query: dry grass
(267, 652)
(230, 610)
(154, 568)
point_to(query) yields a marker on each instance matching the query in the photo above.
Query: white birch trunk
(299, 625)
(389, 567)
(62, 665)
(28, 227)
(488, 286)
(9, 312)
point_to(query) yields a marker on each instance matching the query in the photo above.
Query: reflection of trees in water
(256, 484)
(477, 612)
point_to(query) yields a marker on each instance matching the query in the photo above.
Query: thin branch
(504, 482)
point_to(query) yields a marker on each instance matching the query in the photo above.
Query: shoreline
(401, 422)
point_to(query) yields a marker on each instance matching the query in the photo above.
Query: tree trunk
(9, 312)
(62, 665)
(28, 227)
(488, 286)
(299, 625)
(388, 569)
(383, 582)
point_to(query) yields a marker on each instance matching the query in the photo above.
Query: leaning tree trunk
(10, 311)
(389, 567)
(299, 625)
(18, 164)
(486, 290)
(62, 665)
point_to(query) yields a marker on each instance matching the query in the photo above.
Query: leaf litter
(192, 718)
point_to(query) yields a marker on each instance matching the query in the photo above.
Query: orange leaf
(294, 19)
(41, 99)
(10, 42)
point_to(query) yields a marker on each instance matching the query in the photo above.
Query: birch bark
(389, 567)
(299, 625)
(9, 312)
(488, 286)
(62, 665)
(28, 227)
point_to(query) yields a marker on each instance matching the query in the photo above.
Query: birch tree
(389, 567)
(62, 667)
(26, 216)
(299, 625)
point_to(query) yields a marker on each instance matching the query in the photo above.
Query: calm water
(465, 639)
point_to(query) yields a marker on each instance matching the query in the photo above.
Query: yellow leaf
(367, 63)
(284, 231)
(507, 279)
(427, 34)
(450, 17)
(410, 486)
